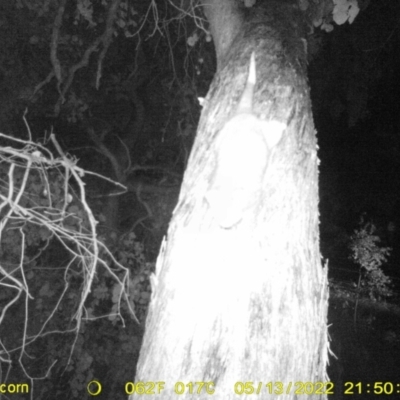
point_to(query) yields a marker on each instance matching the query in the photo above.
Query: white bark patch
(242, 152)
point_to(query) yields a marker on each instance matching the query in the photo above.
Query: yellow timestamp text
(377, 388)
(297, 388)
(13, 388)
(143, 388)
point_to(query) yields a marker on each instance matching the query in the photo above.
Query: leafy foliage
(370, 256)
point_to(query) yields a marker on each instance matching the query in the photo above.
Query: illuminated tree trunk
(239, 293)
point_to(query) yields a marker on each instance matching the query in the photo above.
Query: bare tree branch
(107, 37)
(54, 42)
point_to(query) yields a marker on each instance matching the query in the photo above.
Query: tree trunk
(239, 293)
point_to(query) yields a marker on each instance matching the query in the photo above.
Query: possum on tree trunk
(242, 151)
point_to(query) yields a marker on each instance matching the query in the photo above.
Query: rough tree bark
(245, 301)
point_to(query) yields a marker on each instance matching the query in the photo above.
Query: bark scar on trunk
(242, 151)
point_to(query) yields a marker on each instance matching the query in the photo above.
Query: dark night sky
(355, 89)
